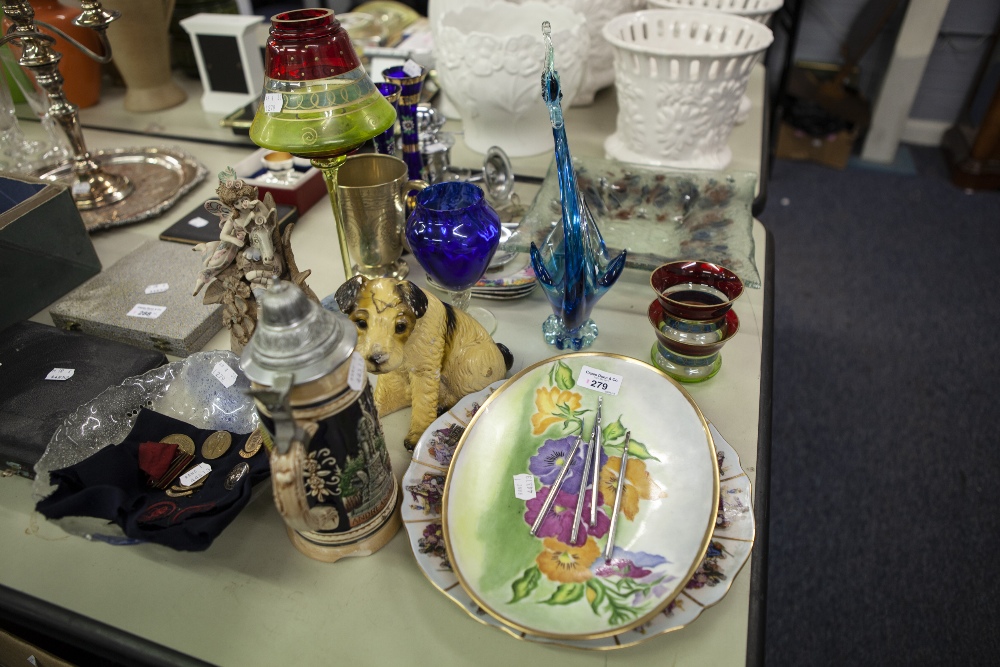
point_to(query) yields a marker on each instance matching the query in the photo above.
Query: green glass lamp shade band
(321, 118)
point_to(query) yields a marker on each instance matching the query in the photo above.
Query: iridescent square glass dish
(658, 216)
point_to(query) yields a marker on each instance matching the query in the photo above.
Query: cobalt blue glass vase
(573, 265)
(453, 233)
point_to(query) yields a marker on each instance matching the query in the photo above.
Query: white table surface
(252, 599)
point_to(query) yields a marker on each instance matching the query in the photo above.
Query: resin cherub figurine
(249, 256)
(576, 269)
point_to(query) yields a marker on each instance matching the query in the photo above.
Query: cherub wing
(216, 207)
(272, 209)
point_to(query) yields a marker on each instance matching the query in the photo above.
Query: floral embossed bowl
(600, 71)
(694, 290)
(490, 63)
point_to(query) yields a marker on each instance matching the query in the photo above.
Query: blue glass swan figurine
(576, 270)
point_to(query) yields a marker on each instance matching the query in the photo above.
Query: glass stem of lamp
(329, 166)
(93, 187)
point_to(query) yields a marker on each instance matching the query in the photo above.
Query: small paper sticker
(411, 68)
(157, 288)
(146, 311)
(356, 373)
(60, 374)
(602, 381)
(224, 374)
(524, 487)
(198, 222)
(195, 473)
(272, 102)
(81, 188)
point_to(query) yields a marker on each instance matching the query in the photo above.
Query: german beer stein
(330, 469)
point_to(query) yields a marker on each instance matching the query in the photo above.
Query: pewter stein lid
(296, 336)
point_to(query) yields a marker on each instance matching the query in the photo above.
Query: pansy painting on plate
(727, 553)
(548, 584)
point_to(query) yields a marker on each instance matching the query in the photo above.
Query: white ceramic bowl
(435, 10)
(600, 70)
(679, 76)
(490, 64)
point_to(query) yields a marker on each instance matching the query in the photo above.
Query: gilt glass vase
(410, 78)
(385, 143)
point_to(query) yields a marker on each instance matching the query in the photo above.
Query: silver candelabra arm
(92, 186)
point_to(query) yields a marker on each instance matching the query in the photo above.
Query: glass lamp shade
(318, 100)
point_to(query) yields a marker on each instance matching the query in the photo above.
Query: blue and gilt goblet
(410, 78)
(453, 233)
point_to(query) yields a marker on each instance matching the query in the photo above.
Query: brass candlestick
(92, 186)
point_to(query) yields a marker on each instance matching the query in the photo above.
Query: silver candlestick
(92, 186)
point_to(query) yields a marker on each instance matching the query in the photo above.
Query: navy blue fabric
(109, 485)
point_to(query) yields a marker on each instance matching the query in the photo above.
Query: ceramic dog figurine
(426, 353)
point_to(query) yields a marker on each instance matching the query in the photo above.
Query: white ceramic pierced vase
(490, 63)
(679, 77)
(757, 10)
(760, 11)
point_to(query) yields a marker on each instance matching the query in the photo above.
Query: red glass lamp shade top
(318, 100)
(308, 44)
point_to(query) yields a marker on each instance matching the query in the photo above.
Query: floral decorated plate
(728, 551)
(504, 467)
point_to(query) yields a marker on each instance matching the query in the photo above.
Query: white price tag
(524, 487)
(195, 473)
(356, 373)
(198, 222)
(146, 311)
(411, 68)
(602, 381)
(157, 288)
(60, 374)
(272, 102)
(224, 374)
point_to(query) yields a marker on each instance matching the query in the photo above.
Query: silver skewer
(595, 452)
(583, 487)
(609, 547)
(555, 487)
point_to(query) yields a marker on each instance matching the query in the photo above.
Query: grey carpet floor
(885, 473)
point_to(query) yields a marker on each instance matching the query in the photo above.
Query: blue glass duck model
(574, 270)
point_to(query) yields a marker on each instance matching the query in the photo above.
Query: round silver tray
(161, 176)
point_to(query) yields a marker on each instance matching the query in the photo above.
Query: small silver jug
(330, 469)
